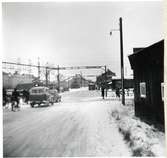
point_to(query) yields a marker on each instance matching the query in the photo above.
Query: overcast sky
(77, 33)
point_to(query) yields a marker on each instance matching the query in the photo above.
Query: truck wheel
(32, 105)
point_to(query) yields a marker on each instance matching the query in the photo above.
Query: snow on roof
(39, 87)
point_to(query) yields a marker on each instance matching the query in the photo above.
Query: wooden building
(105, 79)
(128, 83)
(148, 67)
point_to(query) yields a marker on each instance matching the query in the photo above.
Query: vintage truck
(43, 95)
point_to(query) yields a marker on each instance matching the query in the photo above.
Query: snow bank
(143, 139)
(78, 89)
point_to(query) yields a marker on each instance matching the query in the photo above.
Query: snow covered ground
(83, 124)
(143, 139)
(78, 126)
(78, 89)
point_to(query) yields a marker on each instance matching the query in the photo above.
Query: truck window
(37, 91)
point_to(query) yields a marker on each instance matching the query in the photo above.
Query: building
(117, 82)
(148, 67)
(7, 81)
(78, 81)
(105, 78)
(10, 81)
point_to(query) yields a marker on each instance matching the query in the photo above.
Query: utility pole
(122, 61)
(68, 84)
(38, 69)
(29, 68)
(18, 67)
(105, 80)
(81, 78)
(58, 78)
(46, 75)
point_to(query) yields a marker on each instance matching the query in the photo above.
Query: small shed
(148, 68)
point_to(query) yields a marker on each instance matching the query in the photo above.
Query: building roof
(136, 50)
(24, 86)
(142, 50)
(40, 87)
(151, 54)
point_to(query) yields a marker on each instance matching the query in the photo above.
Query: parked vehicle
(43, 95)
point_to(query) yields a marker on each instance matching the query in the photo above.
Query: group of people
(14, 99)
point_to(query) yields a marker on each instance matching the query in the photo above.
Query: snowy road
(78, 126)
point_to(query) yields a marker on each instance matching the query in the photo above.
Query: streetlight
(122, 61)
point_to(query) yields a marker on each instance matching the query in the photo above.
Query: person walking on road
(117, 92)
(4, 97)
(15, 99)
(26, 96)
(102, 92)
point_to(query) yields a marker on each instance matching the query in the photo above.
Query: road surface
(78, 126)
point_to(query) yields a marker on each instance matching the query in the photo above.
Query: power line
(57, 68)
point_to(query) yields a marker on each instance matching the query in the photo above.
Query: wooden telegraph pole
(58, 78)
(122, 61)
(105, 80)
(38, 69)
(46, 76)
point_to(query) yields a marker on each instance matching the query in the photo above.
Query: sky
(77, 33)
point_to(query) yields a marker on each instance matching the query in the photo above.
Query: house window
(142, 89)
(162, 91)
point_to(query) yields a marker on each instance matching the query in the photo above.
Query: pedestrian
(128, 92)
(4, 97)
(102, 92)
(117, 92)
(15, 99)
(26, 96)
(23, 95)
